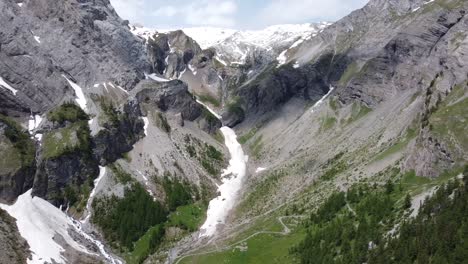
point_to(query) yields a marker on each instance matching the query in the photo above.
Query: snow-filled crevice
(232, 179)
(319, 102)
(80, 97)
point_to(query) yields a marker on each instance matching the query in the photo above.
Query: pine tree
(407, 203)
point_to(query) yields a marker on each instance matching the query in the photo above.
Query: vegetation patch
(124, 220)
(68, 112)
(358, 111)
(327, 123)
(75, 137)
(146, 245)
(188, 217)
(120, 174)
(449, 122)
(21, 142)
(177, 193)
(161, 122)
(399, 146)
(349, 73)
(208, 156)
(361, 226)
(207, 98)
(256, 147)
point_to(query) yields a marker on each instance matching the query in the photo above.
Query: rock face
(83, 39)
(171, 53)
(13, 248)
(170, 96)
(119, 137)
(173, 96)
(17, 162)
(55, 175)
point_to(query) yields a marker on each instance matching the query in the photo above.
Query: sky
(237, 14)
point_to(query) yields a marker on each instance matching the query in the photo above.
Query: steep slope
(367, 101)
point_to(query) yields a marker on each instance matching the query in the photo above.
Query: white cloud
(129, 9)
(294, 11)
(203, 12)
(168, 11)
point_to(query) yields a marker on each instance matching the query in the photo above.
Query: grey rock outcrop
(13, 248)
(119, 137)
(84, 39)
(17, 164)
(170, 96)
(55, 175)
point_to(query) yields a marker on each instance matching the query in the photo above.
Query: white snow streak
(38, 39)
(20, 4)
(156, 78)
(319, 102)
(34, 123)
(102, 173)
(260, 169)
(6, 85)
(81, 99)
(281, 58)
(232, 183)
(209, 109)
(145, 119)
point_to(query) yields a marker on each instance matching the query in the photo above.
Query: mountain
(313, 143)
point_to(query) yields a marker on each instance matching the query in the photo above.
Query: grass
(20, 140)
(188, 217)
(57, 143)
(162, 123)
(357, 112)
(120, 174)
(256, 147)
(397, 147)
(349, 73)
(333, 102)
(327, 123)
(141, 248)
(262, 248)
(449, 122)
(416, 184)
(10, 160)
(207, 98)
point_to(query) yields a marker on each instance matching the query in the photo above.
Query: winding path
(286, 231)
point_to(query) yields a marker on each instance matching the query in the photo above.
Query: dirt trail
(280, 219)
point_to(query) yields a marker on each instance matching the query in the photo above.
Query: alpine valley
(343, 142)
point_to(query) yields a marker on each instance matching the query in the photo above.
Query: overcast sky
(241, 14)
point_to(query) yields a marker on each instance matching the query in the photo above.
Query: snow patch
(37, 39)
(281, 58)
(154, 77)
(121, 88)
(7, 86)
(34, 122)
(220, 60)
(233, 176)
(102, 173)
(260, 169)
(38, 222)
(20, 4)
(81, 99)
(145, 119)
(38, 137)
